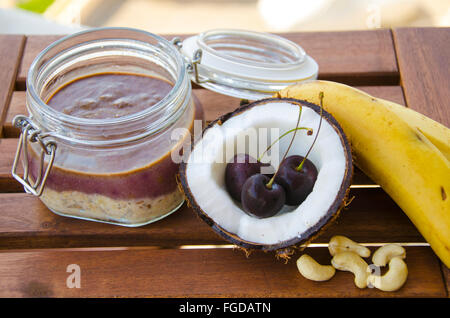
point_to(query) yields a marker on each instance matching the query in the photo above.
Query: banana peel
(405, 152)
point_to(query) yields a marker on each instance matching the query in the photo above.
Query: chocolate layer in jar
(132, 187)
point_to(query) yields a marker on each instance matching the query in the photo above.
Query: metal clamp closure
(192, 66)
(30, 133)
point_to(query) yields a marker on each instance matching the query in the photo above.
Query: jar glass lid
(246, 64)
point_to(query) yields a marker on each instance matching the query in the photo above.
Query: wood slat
(197, 273)
(26, 223)
(214, 104)
(16, 107)
(423, 59)
(33, 46)
(355, 57)
(446, 276)
(10, 185)
(7, 150)
(11, 47)
(352, 57)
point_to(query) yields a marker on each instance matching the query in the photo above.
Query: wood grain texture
(352, 57)
(26, 223)
(364, 57)
(33, 46)
(423, 59)
(144, 272)
(8, 148)
(446, 277)
(214, 104)
(11, 47)
(17, 106)
(180, 256)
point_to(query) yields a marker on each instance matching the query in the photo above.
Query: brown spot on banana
(443, 194)
(419, 137)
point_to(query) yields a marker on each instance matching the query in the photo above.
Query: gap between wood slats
(371, 79)
(191, 247)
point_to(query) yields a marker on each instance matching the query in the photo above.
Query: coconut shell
(284, 249)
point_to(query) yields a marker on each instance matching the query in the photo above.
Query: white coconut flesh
(205, 172)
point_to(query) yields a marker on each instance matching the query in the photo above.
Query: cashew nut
(312, 270)
(339, 243)
(393, 279)
(352, 262)
(384, 254)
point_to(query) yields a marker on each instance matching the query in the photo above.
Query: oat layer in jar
(98, 141)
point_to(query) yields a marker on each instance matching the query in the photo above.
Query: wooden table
(180, 256)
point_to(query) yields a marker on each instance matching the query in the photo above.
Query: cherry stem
(300, 166)
(269, 184)
(309, 130)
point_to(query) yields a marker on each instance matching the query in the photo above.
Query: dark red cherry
(238, 170)
(298, 184)
(259, 200)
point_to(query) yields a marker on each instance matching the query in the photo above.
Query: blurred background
(193, 16)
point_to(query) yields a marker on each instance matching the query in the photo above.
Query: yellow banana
(406, 153)
(437, 133)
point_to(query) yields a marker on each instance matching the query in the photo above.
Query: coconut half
(202, 175)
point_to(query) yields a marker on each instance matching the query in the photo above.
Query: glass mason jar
(115, 170)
